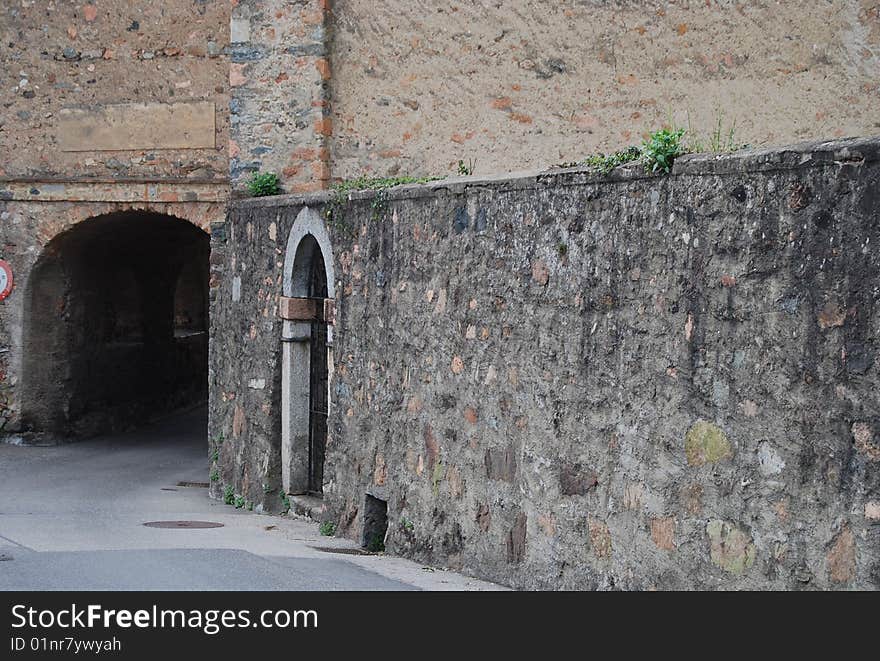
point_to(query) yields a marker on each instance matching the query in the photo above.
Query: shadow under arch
(115, 324)
(308, 286)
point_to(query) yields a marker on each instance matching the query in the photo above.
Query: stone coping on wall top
(845, 151)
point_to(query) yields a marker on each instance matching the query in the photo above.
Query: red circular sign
(5, 279)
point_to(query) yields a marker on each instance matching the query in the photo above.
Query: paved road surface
(71, 518)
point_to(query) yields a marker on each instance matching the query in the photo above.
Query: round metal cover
(183, 524)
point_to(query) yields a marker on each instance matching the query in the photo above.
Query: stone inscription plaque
(125, 126)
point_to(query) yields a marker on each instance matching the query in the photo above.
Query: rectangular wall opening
(375, 524)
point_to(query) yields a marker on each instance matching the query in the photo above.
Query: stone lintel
(307, 309)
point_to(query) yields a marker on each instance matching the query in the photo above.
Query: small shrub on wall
(263, 184)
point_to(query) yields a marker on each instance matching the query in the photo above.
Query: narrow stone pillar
(295, 371)
(279, 93)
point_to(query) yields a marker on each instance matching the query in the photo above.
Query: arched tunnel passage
(116, 325)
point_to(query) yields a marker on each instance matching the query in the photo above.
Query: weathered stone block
(600, 537)
(663, 533)
(298, 309)
(182, 125)
(841, 557)
(500, 464)
(306, 309)
(516, 540)
(730, 547)
(706, 443)
(576, 480)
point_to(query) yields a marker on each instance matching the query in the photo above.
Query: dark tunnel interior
(116, 325)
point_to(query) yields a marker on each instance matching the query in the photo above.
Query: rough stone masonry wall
(69, 67)
(570, 381)
(279, 77)
(58, 56)
(27, 227)
(513, 84)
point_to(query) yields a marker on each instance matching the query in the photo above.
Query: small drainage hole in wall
(375, 524)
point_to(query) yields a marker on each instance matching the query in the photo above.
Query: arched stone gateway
(115, 324)
(307, 309)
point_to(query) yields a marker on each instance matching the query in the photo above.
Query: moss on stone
(730, 547)
(706, 443)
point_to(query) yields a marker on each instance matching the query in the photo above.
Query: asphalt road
(71, 518)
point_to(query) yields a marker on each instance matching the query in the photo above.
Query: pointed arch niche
(307, 307)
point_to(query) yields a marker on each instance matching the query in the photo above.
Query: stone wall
(513, 84)
(66, 67)
(569, 381)
(115, 329)
(327, 91)
(279, 77)
(30, 224)
(107, 107)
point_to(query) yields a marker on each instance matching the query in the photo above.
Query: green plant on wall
(337, 205)
(327, 528)
(228, 494)
(604, 164)
(658, 152)
(721, 139)
(264, 183)
(661, 148)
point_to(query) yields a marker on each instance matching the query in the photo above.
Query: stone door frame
(296, 333)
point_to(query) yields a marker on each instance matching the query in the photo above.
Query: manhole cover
(343, 551)
(202, 485)
(183, 524)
